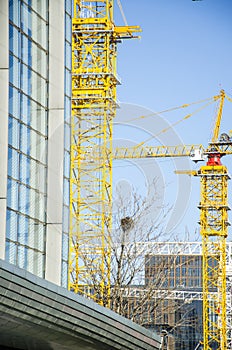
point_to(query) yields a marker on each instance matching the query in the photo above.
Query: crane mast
(213, 228)
(94, 81)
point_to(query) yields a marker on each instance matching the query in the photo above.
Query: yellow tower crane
(213, 220)
(94, 81)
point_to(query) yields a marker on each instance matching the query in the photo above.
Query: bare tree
(136, 278)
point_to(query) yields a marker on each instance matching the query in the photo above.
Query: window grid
(27, 150)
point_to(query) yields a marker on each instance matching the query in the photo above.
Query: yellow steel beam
(219, 117)
(155, 151)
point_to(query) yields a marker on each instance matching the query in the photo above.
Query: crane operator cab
(197, 156)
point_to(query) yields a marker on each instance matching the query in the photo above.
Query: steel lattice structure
(214, 222)
(94, 81)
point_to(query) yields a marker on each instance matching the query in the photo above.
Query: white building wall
(55, 142)
(4, 82)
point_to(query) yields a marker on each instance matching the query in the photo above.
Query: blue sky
(184, 55)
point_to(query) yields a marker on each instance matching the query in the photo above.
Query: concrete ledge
(36, 314)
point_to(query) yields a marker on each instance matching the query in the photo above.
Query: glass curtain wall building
(35, 71)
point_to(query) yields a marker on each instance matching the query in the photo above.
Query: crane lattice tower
(94, 81)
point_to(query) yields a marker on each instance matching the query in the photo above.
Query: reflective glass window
(26, 19)
(22, 256)
(65, 219)
(68, 27)
(25, 139)
(33, 85)
(26, 51)
(67, 108)
(13, 163)
(37, 207)
(38, 118)
(11, 250)
(14, 12)
(23, 229)
(25, 109)
(68, 6)
(67, 83)
(24, 166)
(26, 80)
(12, 225)
(28, 100)
(39, 30)
(35, 262)
(12, 194)
(68, 56)
(37, 176)
(39, 57)
(66, 192)
(13, 132)
(40, 7)
(14, 42)
(66, 164)
(14, 71)
(36, 234)
(67, 136)
(65, 242)
(24, 203)
(14, 102)
(64, 276)
(38, 147)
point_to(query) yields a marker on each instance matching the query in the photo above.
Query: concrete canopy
(36, 314)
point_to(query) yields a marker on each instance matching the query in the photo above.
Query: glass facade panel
(66, 219)
(67, 108)
(38, 118)
(68, 26)
(40, 7)
(68, 82)
(26, 19)
(14, 102)
(68, 56)
(13, 163)
(12, 194)
(14, 71)
(11, 251)
(14, 12)
(23, 229)
(24, 169)
(66, 164)
(12, 225)
(27, 153)
(66, 192)
(15, 44)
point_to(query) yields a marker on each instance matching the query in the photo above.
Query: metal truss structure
(94, 81)
(214, 222)
(213, 254)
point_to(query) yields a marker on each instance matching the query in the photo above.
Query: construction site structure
(213, 219)
(184, 294)
(94, 81)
